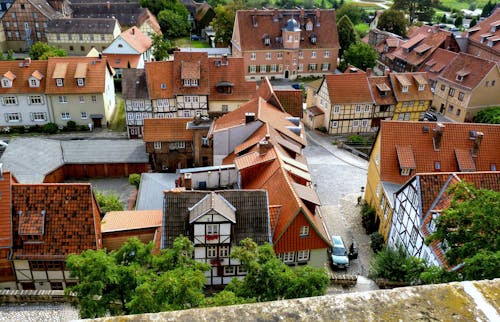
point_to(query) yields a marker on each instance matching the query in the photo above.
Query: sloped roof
(115, 221)
(124, 61)
(5, 210)
(134, 84)
(150, 194)
(419, 135)
(125, 12)
(72, 219)
(271, 23)
(437, 62)
(82, 26)
(136, 39)
(215, 202)
(147, 17)
(45, 9)
(23, 71)
(379, 85)
(233, 72)
(167, 130)
(477, 66)
(31, 159)
(191, 65)
(413, 94)
(160, 80)
(483, 27)
(348, 88)
(291, 101)
(104, 151)
(94, 82)
(252, 214)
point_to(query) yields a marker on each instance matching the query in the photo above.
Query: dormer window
(59, 82)
(7, 79)
(190, 82)
(224, 87)
(34, 82)
(267, 40)
(405, 89)
(461, 74)
(421, 87)
(309, 26)
(80, 82)
(313, 39)
(6, 83)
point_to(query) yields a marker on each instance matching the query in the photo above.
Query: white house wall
(114, 47)
(25, 109)
(109, 96)
(215, 178)
(225, 141)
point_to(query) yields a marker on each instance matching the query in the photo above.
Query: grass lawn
(118, 121)
(457, 4)
(362, 29)
(186, 42)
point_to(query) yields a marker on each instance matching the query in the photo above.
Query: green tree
(355, 13)
(470, 227)
(225, 298)
(109, 202)
(444, 19)
(10, 54)
(437, 274)
(473, 22)
(360, 55)
(42, 51)
(346, 32)
(173, 24)
(488, 8)
(268, 278)
(393, 21)
(490, 115)
(459, 20)
(161, 47)
(224, 21)
(421, 9)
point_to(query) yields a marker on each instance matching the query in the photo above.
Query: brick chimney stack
(438, 136)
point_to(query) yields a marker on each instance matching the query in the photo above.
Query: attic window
(405, 89)
(120, 46)
(6, 83)
(267, 40)
(437, 165)
(190, 82)
(80, 82)
(421, 87)
(461, 74)
(59, 82)
(313, 39)
(309, 26)
(163, 86)
(224, 87)
(34, 82)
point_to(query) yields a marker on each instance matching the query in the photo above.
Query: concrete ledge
(32, 296)
(442, 302)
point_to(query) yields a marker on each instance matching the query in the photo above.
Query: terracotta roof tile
(464, 160)
(291, 101)
(160, 79)
(381, 90)
(419, 135)
(413, 93)
(123, 60)
(130, 220)
(147, 17)
(437, 62)
(232, 72)
(65, 67)
(190, 69)
(348, 88)
(23, 71)
(72, 220)
(484, 27)
(31, 223)
(5, 211)
(137, 39)
(167, 130)
(271, 23)
(473, 70)
(405, 157)
(191, 65)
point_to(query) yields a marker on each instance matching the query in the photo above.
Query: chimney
(27, 62)
(368, 71)
(438, 136)
(249, 117)
(133, 31)
(224, 59)
(302, 14)
(478, 137)
(387, 71)
(108, 5)
(317, 12)
(264, 146)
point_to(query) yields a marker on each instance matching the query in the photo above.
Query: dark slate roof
(252, 214)
(82, 25)
(126, 13)
(134, 84)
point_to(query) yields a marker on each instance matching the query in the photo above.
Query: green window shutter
(258, 68)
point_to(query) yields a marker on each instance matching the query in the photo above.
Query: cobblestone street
(43, 312)
(338, 177)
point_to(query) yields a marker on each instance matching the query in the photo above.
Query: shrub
(83, 128)
(50, 128)
(356, 139)
(376, 242)
(395, 265)
(71, 125)
(110, 202)
(134, 179)
(368, 218)
(321, 129)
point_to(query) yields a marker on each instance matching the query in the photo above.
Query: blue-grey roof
(150, 195)
(390, 188)
(104, 151)
(31, 159)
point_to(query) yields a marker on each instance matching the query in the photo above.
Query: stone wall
(31, 296)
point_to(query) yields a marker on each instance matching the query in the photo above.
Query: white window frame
(358, 108)
(6, 83)
(211, 251)
(263, 70)
(253, 69)
(39, 116)
(367, 108)
(327, 53)
(62, 99)
(34, 82)
(273, 68)
(364, 123)
(325, 66)
(211, 229)
(229, 270)
(224, 251)
(35, 99)
(301, 68)
(13, 117)
(253, 56)
(303, 255)
(304, 231)
(404, 89)
(65, 116)
(288, 257)
(313, 54)
(84, 115)
(280, 55)
(94, 99)
(268, 55)
(9, 100)
(82, 99)
(335, 124)
(157, 145)
(80, 82)
(59, 82)
(355, 123)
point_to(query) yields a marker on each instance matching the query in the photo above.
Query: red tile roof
(253, 25)
(291, 101)
(22, 72)
(123, 61)
(136, 39)
(437, 62)
(5, 211)
(233, 72)
(484, 27)
(147, 17)
(94, 80)
(160, 79)
(190, 65)
(129, 220)
(419, 136)
(167, 130)
(405, 157)
(348, 88)
(72, 220)
(413, 94)
(473, 70)
(380, 85)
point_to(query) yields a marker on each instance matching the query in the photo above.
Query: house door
(286, 74)
(97, 122)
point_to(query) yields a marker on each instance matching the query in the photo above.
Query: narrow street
(339, 176)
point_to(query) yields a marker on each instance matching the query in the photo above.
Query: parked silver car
(338, 253)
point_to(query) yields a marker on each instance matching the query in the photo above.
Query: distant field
(464, 4)
(186, 42)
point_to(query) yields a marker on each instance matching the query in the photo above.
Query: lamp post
(361, 196)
